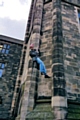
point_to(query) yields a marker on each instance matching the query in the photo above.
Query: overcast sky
(13, 17)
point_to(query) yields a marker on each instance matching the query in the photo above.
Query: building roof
(10, 39)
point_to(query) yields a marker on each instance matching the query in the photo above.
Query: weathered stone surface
(73, 110)
(71, 50)
(44, 87)
(8, 79)
(41, 112)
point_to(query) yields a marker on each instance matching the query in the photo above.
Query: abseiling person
(34, 54)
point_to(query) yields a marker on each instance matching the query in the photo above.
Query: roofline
(71, 3)
(12, 40)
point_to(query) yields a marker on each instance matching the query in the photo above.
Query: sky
(13, 17)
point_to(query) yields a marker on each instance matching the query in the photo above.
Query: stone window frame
(4, 48)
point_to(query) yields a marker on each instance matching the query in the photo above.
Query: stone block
(60, 113)
(59, 101)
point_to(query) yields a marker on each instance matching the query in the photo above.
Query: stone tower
(53, 26)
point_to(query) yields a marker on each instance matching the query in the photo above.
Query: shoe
(46, 76)
(42, 73)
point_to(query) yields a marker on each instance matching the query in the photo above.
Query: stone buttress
(59, 99)
(30, 90)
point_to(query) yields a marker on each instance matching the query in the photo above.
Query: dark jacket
(34, 53)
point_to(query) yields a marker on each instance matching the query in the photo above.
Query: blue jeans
(42, 66)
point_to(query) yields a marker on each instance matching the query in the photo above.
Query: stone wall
(71, 51)
(8, 79)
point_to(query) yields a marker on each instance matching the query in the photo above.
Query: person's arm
(30, 54)
(38, 52)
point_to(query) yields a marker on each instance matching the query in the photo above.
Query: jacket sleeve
(39, 52)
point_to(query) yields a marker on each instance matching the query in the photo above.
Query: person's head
(32, 46)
